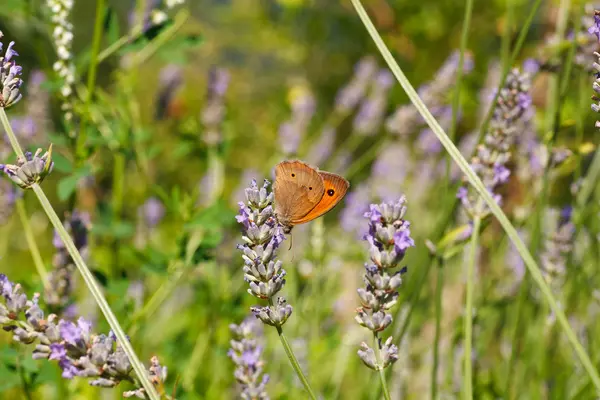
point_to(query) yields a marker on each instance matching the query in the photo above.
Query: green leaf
(67, 185)
(114, 229)
(10, 378)
(62, 163)
(111, 24)
(217, 215)
(59, 139)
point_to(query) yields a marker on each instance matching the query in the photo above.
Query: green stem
(457, 86)
(91, 78)
(293, 360)
(438, 321)
(507, 34)
(579, 120)
(380, 369)
(468, 365)
(516, 337)
(33, 248)
(117, 204)
(85, 272)
(474, 180)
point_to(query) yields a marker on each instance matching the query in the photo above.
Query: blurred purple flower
(292, 131)
(595, 29)
(322, 148)
(152, 211)
(246, 353)
(434, 94)
(350, 95)
(214, 109)
(372, 109)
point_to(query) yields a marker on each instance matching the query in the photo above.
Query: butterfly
(303, 193)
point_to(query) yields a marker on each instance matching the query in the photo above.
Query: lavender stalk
(262, 236)
(29, 171)
(389, 238)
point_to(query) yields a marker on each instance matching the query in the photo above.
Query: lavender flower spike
(489, 163)
(262, 235)
(246, 353)
(389, 238)
(78, 351)
(30, 169)
(10, 83)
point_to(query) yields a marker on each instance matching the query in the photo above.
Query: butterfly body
(303, 193)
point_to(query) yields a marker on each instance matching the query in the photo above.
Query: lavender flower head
(557, 246)
(489, 163)
(78, 351)
(246, 353)
(30, 169)
(10, 72)
(388, 238)
(59, 293)
(214, 109)
(596, 87)
(262, 236)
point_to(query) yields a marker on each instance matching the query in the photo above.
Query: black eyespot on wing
(331, 192)
(293, 175)
(310, 188)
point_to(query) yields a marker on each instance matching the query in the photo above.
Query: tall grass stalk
(468, 363)
(464, 37)
(80, 141)
(30, 238)
(85, 272)
(474, 180)
(439, 288)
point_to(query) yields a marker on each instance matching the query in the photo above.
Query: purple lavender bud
(31, 169)
(595, 29)
(10, 83)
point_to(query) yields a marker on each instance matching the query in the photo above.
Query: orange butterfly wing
(336, 188)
